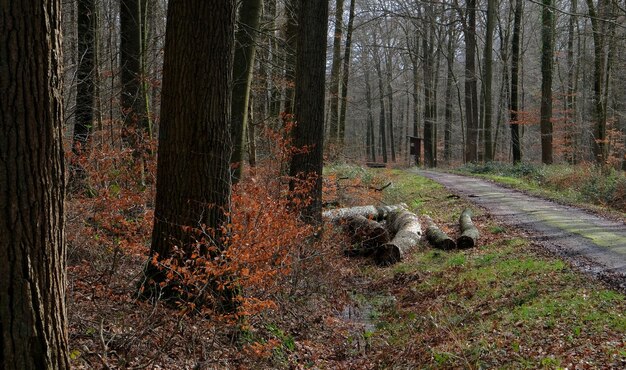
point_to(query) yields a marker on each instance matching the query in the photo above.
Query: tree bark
(193, 178)
(547, 51)
(515, 56)
(407, 231)
(291, 8)
(428, 50)
(436, 237)
(245, 48)
(309, 101)
(469, 232)
(33, 321)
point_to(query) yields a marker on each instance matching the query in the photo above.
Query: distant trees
(87, 33)
(32, 188)
(245, 50)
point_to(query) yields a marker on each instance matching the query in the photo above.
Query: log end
(465, 242)
(447, 244)
(388, 254)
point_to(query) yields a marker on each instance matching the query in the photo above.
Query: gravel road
(591, 243)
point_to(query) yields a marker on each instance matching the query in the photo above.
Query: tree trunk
(309, 101)
(488, 77)
(570, 98)
(33, 321)
(245, 48)
(428, 50)
(389, 73)
(133, 102)
(547, 52)
(515, 56)
(436, 237)
(334, 73)
(291, 8)
(85, 74)
(407, 231)
(382, 137)
(369, 140)
(345, 76)
(447, 138)
(469, 232)
(193, 177)
(471, 92)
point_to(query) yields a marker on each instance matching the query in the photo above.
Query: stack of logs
(371, 229)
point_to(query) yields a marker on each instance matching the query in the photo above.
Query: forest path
(592, 243)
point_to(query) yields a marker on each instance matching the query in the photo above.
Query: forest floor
(507, 303)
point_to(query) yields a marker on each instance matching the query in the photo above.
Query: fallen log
(436, 237)
(366, 235)
(408, 231)
(375, 165)
(371, 212)
(469, 232)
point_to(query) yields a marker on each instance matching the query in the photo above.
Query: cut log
(371, 212)
(366, 235)
(375, 165)
(408, 231)
(469, 232)
(436, 237)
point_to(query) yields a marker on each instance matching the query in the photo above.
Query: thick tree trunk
(33, 321)
(547, 51)
(469, 232)
(309, 101)
(407, 231)
(436, 237)
(514, 108)
(85, 74)
(345, 75)
(334, 74)
(366, 235)
(488, 77)
(193, 177)
(245, 48)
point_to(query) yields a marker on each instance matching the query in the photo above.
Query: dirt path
(592, 243)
